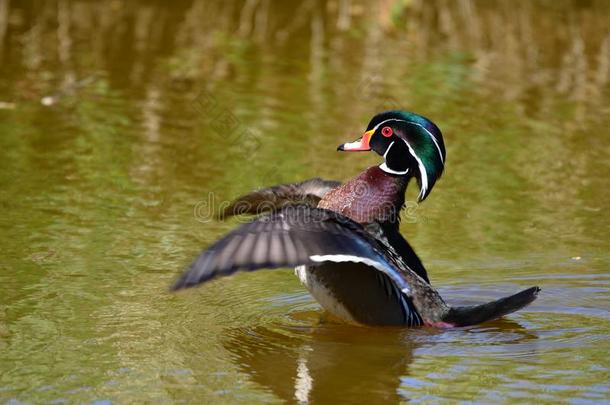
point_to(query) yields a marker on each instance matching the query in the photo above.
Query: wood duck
(344, 239)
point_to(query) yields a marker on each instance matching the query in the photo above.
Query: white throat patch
(384, 165)
(386, 169)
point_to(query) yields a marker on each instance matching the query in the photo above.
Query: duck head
(410, 144)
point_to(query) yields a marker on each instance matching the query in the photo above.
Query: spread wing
(292, 236)
(309, 192)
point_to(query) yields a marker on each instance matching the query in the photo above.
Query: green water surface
(124, 125)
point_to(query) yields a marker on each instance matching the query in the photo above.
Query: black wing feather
(289, 238)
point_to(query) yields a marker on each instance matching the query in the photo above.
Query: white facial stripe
(390, 119)
(434, 140)
(438, 148)
(422, 171)
(387, 150)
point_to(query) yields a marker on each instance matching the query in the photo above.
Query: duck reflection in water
(333, 362)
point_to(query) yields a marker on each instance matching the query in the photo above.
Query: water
(124, 125)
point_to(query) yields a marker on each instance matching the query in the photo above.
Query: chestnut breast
(371, 196)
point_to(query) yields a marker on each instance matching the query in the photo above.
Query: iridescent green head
(411, 145)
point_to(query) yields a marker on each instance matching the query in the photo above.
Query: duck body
(358, 294)
(355, 292)
(344, 239)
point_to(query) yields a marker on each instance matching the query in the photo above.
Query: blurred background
(125, 124)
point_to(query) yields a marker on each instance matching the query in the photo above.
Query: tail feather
(472, 315)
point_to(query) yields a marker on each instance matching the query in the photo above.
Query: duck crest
(373, 195)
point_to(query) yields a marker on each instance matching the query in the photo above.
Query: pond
(124, 125)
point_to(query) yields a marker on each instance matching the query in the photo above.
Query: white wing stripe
(402, 284)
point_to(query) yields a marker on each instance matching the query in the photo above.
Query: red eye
(387, 132)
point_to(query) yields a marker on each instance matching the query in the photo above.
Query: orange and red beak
(362, 144)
